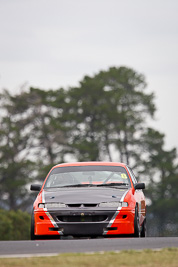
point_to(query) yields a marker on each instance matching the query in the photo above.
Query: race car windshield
(83, 176)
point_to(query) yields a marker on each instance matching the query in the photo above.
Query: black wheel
(143, 230)
(32, 227)
(136, 224)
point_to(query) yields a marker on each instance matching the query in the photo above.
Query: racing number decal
(123, 175)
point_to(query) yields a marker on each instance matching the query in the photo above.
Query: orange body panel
(124, 225)
(42, 225)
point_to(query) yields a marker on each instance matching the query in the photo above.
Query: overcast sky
(52, 44)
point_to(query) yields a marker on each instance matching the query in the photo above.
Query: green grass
(165, 257)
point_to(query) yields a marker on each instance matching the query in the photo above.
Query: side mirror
(139, 186)
(35, 187)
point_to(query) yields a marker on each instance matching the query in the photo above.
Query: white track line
(29, 255)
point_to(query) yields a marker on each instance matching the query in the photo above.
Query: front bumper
(84, 222)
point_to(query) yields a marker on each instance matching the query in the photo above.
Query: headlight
(113, 204)
(51, 205)
(55, 205)
(124, 204)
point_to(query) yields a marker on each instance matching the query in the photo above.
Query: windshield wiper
(93, 185)
(113, 184)
(78, 185)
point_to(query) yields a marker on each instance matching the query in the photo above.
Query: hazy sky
(49, 44)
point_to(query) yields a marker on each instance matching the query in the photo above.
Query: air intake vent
(74, 205)
(84, 218)
(89, 205)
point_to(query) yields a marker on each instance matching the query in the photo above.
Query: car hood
(83, 195)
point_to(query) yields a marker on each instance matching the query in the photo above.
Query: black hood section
(83, 195)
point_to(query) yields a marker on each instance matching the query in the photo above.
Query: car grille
(82, 218)
(82, 205)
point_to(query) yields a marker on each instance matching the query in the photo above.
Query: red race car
(89, 199)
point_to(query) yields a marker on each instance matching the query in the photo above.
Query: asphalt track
(54, 247)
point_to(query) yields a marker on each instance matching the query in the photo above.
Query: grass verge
(166, 257)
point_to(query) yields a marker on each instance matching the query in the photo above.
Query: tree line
(105, 117)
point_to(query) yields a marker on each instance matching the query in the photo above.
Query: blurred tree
(110, 110)
(162, 172)
(132, 107)
(44, 111)
(90, 113)
(32, 139)
(15, 167)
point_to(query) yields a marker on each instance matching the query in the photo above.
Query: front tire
(143, 231)
(136, 224)
(33, 237)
